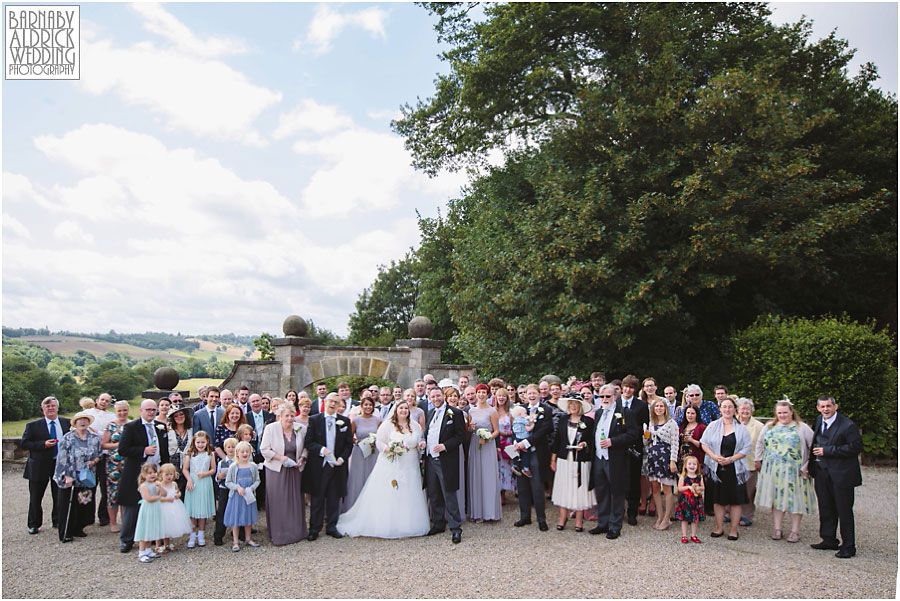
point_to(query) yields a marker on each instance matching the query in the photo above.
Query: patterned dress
(780, 485)
(662, 447)
(690, 506)
(506, 438)
(114, 465)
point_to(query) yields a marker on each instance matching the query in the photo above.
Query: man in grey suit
(208, 418)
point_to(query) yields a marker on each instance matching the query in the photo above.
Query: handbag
(86, 478)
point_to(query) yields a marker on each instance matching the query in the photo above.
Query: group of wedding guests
(604, 452)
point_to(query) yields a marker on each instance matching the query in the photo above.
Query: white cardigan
(272, 444)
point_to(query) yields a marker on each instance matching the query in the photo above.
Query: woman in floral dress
(506, 438)
(782, 453)
(114, 461)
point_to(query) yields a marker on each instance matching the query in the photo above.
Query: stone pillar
(290, 352)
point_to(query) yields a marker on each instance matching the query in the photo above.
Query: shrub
(804, 358)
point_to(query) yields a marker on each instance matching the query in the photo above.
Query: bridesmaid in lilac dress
(360, 467)
(483, 471)
(501, 404)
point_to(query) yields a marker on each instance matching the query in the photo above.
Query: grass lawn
(194, 384)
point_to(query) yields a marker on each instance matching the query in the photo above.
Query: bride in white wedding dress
(392, 503)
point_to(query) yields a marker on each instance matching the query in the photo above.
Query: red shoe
(694, 539)
(684, 539)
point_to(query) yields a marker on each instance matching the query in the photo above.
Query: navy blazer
(40, 464)
(841, 445)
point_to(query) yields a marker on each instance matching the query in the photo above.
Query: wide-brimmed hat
(80, 415)
(188, 413)
(569, 397)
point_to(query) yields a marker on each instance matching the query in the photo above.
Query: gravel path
(494, 560)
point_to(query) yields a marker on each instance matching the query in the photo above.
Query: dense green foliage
(805, 359)
(385, 308)
(263, 344)
(671, 172)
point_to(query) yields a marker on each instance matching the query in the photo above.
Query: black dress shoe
(33, 530)
(612, 534)
(846, 553)
(125, 547)
(68, 539)
(457, 536)
(825, 546)
(334, 534)
(521, 523)
(632, 520)
(717, 534)
(218, 542)
(80, 534)
(103, 523)
(543, 527)
(312, 536)
(599, 530)
(435, 530)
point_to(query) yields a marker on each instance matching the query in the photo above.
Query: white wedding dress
(392, 503)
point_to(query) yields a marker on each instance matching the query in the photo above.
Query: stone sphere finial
(420, 327)
(165, 378)
(294, 325)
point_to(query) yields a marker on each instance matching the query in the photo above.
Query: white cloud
(364, 170)
(148, 237)
(69, 231)
(14, 227)
(327, 24)
(384, 115)
(310, 116)
(161, 22)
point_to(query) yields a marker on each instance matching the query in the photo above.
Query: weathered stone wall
(259, 376)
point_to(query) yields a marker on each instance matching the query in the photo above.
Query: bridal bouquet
(483, 435)
(395, 449)
(370, 440)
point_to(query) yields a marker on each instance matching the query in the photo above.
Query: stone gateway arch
(300, 362)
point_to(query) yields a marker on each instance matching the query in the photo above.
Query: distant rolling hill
(67, 345)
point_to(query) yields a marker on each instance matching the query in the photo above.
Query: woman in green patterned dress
(782, 459)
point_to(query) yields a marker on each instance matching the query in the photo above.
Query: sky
(220, 166)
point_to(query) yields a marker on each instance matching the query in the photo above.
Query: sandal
(252, 543)
(684, 539)
(776, 535)
(579, 528)
(793, 537)
(235, 548)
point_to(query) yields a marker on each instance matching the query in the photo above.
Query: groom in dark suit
(616, 429)
(143, 440)
(40, 439)
(836, 447)
(329, 434)
(531, 488)
(445, 432)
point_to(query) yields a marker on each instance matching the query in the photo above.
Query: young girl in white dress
(174, 516)
(149, 527)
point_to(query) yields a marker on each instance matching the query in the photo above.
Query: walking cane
(65, 526)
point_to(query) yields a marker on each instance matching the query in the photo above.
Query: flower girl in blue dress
(198, 496)
(149, 526)
(242, 481)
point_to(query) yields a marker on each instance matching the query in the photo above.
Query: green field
(15, 428)
(67, 345)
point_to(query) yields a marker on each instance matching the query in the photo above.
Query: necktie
(212, 417)
(149, 434)
(330, 421)
(53, 437)
(824, 426)
(627, 404)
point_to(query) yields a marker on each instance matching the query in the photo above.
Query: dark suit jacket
(453, 432)
(842, 445)
(40, 463)
(561, 440)
(640, 412)
(201, 422)
(315, 406)
(624, 432)
(343, 446)
(131, 446)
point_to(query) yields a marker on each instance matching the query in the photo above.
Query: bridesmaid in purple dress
(483, 471)
(360, 467)
(501, 404)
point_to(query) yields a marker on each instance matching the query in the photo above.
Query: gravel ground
(494, 560)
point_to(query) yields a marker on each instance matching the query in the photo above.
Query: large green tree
(672, 171)
(385, 308)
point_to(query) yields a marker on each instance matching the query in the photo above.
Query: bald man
(143, 440)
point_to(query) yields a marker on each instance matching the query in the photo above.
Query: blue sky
(221, 166)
